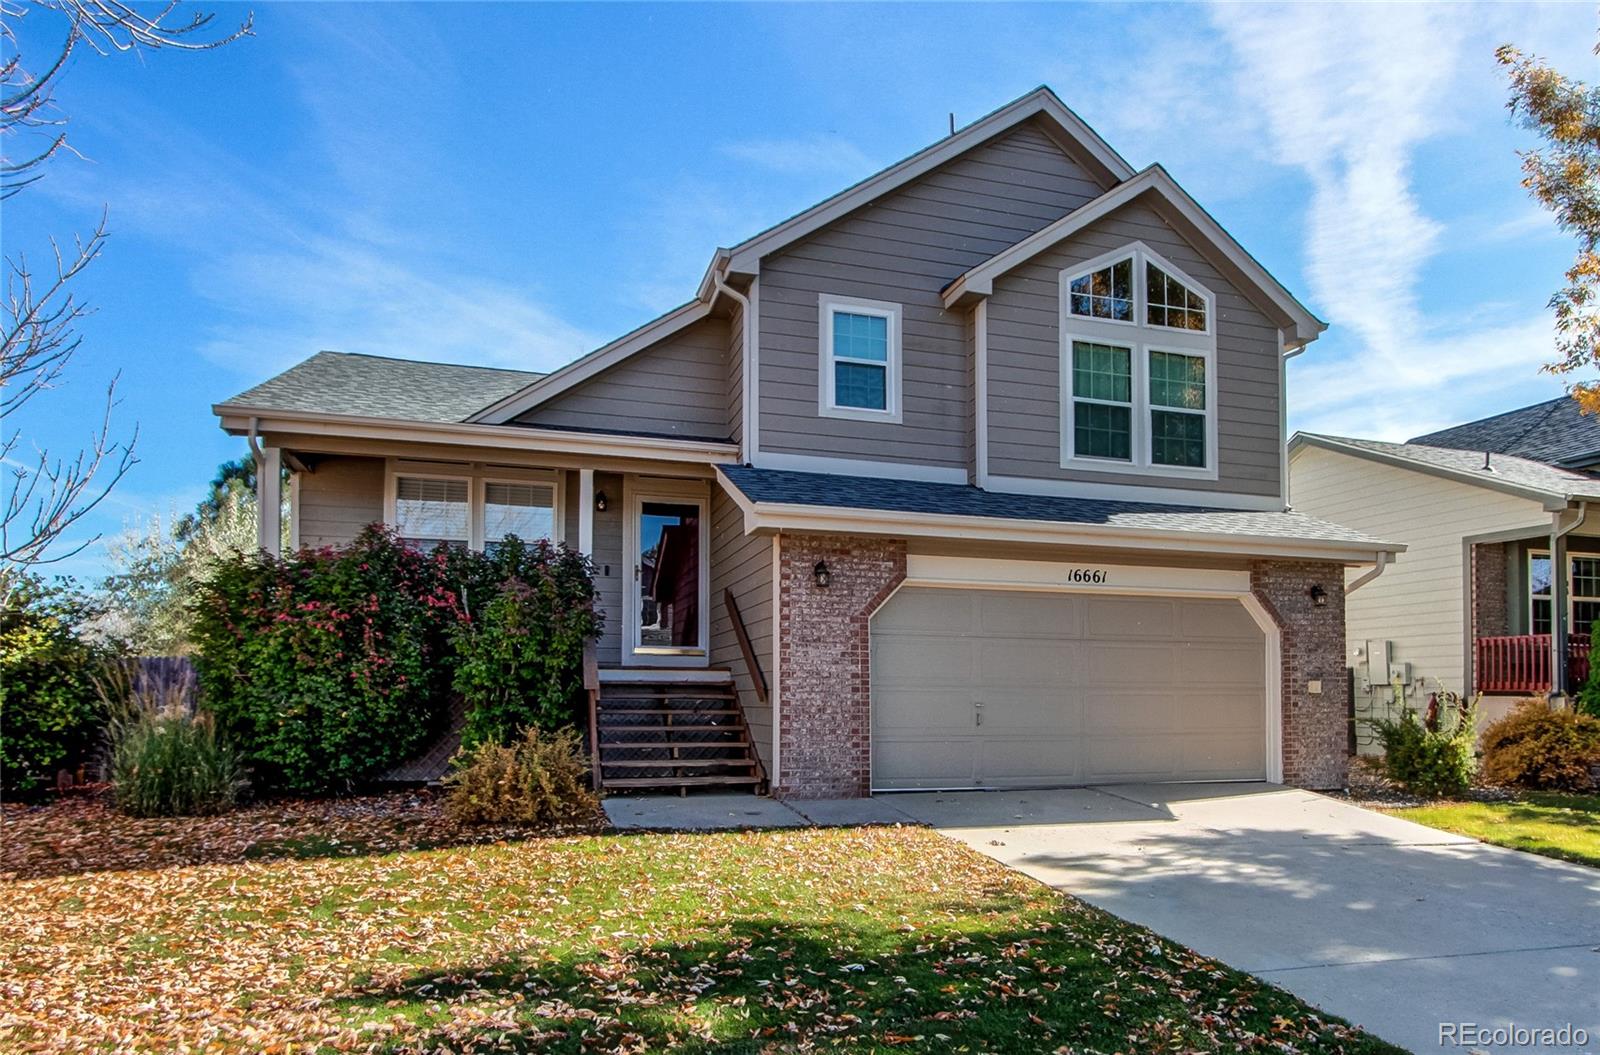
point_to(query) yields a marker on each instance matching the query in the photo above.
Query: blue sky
(515, 184)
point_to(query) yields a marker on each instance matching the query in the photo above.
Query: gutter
(1562, 589)
(746, 372)
(1385, 558)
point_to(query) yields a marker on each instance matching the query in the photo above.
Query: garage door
(995, 688)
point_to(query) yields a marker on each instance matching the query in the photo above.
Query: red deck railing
(1522, 663)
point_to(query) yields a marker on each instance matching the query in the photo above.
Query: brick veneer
(1315, 729)
(1489, 590)
(824, 660)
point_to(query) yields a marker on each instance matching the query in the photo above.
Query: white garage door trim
(1118, 579)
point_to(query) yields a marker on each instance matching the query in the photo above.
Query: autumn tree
(48, 492)
(1563, 175)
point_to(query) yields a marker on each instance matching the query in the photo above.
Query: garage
(993, 688)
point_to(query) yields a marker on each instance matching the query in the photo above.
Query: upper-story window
(1138, 364)
(860, 362)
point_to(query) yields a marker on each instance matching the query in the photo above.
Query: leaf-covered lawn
(859, 940)
(1566, 827)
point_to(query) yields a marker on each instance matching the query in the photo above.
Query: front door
(668, 595)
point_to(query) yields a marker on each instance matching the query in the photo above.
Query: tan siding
(338, 499)
(1419, 602)
(1025, 364)
(742, 563)
(676, 388)
(903, 249)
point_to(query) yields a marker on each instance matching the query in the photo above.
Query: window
(1138, 368)
(860, 360)
(1169, 302)
(1177, 410)
(429, 510)
(1583, 593)
(524, 510)
(1102, 401)
(1106, 293)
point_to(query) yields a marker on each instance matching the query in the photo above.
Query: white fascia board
(979, 281)
(237, 419)
(745, 257)
(1550, 500)
(581, 370)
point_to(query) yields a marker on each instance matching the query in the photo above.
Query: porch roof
(376, 386)
(775, 492)
(1505, 472)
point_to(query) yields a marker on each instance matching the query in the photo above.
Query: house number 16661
(1087, 575)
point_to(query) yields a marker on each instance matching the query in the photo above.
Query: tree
(1564, 177)
(50, 493)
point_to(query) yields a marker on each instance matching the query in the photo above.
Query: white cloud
(816, 155)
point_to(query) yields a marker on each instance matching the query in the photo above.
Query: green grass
(860, 940)
(1566, 827)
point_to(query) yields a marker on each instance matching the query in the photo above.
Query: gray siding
(742, 563)
(609, 563)
(676, 388)
(1025, 365)
(904, 248)
(338, 499)
(736, 375)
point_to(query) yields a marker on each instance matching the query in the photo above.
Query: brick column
(824, 660)
(1489, 590)
(1313, 648)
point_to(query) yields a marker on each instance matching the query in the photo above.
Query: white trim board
(821, 463)
(1180, 496)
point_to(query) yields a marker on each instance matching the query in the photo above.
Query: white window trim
(476, 477)
(1141, 339)
(827, 305)
(1572, 596)
(635, 492)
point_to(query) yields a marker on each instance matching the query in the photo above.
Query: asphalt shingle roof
(379, 387)
(1505, 468)
(787, 487)
(1556, 432)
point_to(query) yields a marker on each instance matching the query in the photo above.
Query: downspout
(746, 441)
(1560, 598)
(1384, 559)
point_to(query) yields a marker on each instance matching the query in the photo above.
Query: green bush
(50, 717)
(519, 662)
(541, 778)
(1432, 754)
(174, 766)
(1535, 747)
(330, 666)
(1587, 699)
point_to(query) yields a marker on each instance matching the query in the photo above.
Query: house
(1488, 509)
(972, 475)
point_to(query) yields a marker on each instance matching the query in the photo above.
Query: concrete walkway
(1389, 924)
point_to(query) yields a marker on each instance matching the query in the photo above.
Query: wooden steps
(662, 731)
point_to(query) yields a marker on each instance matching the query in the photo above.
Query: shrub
(49, 715)
(520, 660)
(1432, 754)
(541, 778)
(169, 765)
(1535, 747)
(1587, 699)
(329, 666)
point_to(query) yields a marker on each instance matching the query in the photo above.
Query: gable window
(860, 365)
(429, 510)
(1138, 386)
(1170, 303)
(1106, 293)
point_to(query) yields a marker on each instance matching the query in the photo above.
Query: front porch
(1529, 623)
(1519, 664)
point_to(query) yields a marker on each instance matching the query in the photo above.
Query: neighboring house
(987, 451)
(1474, 605)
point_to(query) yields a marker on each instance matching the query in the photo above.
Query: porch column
(586, 512)
(269, 500)
(1560, 588)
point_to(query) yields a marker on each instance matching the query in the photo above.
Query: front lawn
(1566, 827)
(869, 939)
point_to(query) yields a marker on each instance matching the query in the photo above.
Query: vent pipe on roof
(952, 122)
(1486, 466)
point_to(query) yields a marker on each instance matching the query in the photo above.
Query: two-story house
(972, 475)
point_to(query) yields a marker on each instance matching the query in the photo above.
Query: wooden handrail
(591, 688)
(751, 663)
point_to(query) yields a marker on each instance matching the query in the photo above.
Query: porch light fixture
(600, 501)
(820, 573)
(1319, 596)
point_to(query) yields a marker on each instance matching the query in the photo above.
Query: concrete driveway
(1389, 924)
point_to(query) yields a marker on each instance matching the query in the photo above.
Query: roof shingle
(1557, 432)
(374, 386)
(1503, 468)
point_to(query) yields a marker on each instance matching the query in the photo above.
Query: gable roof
(978, 281)
(780, 497)
(743, 260)
(1531, 479)
(1556, 431)
(378, 386)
